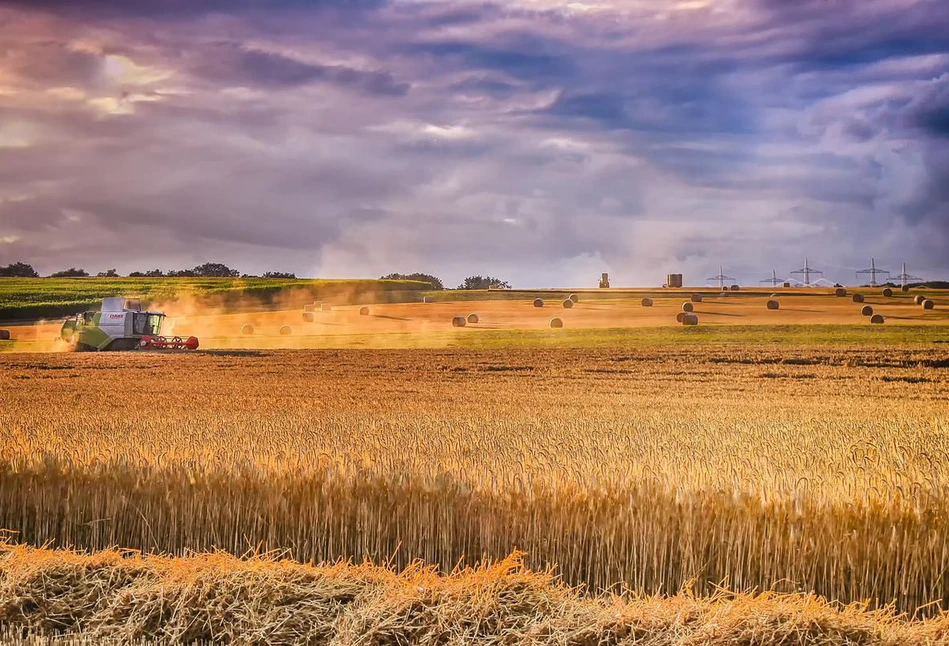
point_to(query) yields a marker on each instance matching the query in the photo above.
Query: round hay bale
(877, 319)
(285, 330)
(680, 316)
(363, 311)
(867, 310)
(887, 292)
(858, 298)
(696, 298)
(773, 304)
(555, 323)
(929, 304)
(308, 317)
(839, 292)
(538, 302)
(919, 299)
(459, 321)
(647, 302)
(735, 288)
(687, 307)
(247, 329)
(690, 319)
(473, 318)
(574, 298)
(567, 304)
(4, 335)
(904, 288)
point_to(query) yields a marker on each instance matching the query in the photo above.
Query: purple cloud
(527, 139)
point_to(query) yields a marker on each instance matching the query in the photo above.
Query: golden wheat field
(654, 478)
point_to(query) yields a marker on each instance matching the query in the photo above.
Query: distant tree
(154, 273)
(279, 274)
(18, 270)
(436, 283)
(215, 270)
(110, 273)
(72, 272)
(207, 270)
(484, 282)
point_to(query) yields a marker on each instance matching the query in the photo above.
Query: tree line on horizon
(471, 282)
(220, 270)
(207, 270)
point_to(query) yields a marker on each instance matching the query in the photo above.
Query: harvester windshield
(147, 324)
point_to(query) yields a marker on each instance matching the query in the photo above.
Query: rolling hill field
(36, 298)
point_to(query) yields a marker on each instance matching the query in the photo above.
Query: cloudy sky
(542, 141)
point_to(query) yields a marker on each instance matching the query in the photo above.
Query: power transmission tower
(806, 271)
(721, 278)
(774, 281)
(873, 271)
(907, 278)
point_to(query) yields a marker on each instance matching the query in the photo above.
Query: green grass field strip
(35, 298)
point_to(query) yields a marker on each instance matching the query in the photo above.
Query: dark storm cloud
(230, 62)
(925, 116)
(936, 120)
(51, 63)
(483, 85)
(848, 33)
(607, 109)
(523, 137)
(515, 60)
(684, 113)
(930, 111)
(179, 9)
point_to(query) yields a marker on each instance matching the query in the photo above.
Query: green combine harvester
(121, 324)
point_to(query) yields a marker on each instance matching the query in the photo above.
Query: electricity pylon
(774, 281)
(873, 271)
(806, 271)
(721, 278)
(907, 278)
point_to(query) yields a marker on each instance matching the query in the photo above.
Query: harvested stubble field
(635, 471)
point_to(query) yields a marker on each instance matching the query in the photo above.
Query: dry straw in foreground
(125, 598)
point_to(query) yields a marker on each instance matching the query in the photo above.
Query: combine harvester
(121, 325)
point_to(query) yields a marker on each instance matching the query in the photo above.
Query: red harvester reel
(168, 343)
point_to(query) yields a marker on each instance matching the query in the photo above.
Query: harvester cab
(121, 324)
